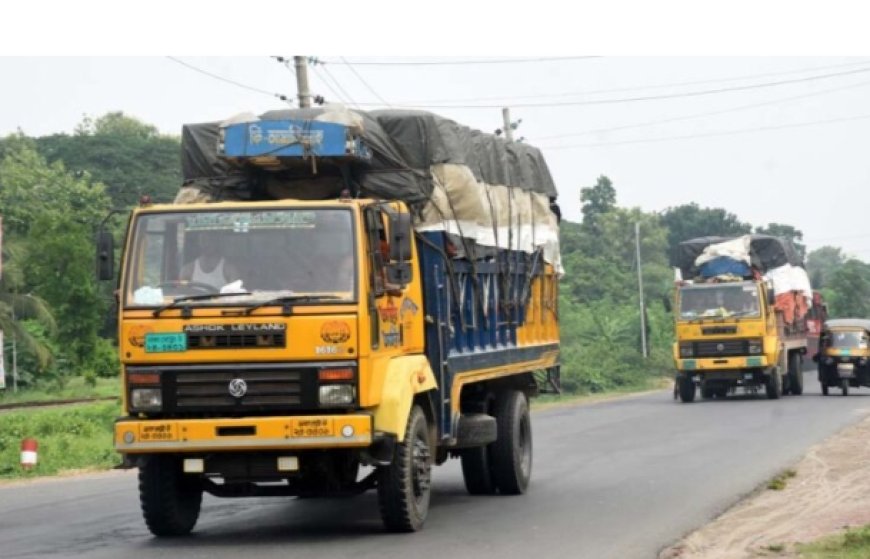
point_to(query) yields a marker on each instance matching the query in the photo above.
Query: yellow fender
(406, 377)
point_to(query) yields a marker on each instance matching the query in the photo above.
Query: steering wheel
(204, 288)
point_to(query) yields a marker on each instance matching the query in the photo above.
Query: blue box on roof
(291, 138)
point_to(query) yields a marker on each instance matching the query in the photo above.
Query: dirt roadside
(830, 492)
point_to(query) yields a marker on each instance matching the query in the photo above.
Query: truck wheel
(796, 375)
(774, 385)
(476, 471)
(170, 499)
(511, 452)
(824, 388)
(404, 487)
(687, 390)
(845, 386)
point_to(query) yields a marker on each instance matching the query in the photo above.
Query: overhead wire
(364, 82)
(509, 98)
(338, 84)
(228, 80)
(704, 114)
(711, 134)
(461, 62)
(647, 97)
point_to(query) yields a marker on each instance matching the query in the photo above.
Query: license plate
(846, 369)
(158, 432)
(747, 376)
(311, 428)
(165, 342)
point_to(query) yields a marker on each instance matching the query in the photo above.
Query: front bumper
(145, 436)
(722, 363)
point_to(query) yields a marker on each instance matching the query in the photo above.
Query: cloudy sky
(771, 139)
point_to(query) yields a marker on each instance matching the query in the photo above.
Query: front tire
(404, 486)
(796, 375)
(170, 500)
(845, 386)
(511, 452)
(773, 388)
(687, 390)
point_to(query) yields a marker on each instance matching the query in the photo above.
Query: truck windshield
(257, 254)
(847, 340)
(719, 300)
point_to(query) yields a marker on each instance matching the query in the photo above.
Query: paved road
(617, 479)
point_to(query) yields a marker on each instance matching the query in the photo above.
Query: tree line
(55, 190)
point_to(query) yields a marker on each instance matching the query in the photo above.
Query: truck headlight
(686, 350)
(146, 398)
(336, 394)
(755, 347)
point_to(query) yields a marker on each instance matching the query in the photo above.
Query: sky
(771, 139)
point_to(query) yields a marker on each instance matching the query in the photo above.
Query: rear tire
(773, 387)
(404, 486)
(511, 453)
(824, 389)
(687, 390)
(170, 499)
(476, 471)
(796, 375)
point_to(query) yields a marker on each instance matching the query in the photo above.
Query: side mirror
(666, 303)
(400, 237)
(105, 255)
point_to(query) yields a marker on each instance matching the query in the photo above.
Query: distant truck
(336, 293)
(733, 329)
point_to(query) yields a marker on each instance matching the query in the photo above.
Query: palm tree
(15, 306)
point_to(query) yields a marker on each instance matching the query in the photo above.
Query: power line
(711, 134)
(328, 85)
(365, 83)
(704, 114)
(508, 99)
(338, 84)
(461, 62)
(647, 97)
(228, 80)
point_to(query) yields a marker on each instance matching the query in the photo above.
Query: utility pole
(508, 129)
(643, 341)
(14, 356)
(301, 65)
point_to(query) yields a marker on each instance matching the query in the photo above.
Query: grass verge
(74, 388)
(853, 544)
(70, 438)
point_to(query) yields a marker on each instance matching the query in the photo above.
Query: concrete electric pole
(301, 65)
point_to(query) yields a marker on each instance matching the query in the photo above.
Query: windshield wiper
(287, 299)
(202, 297)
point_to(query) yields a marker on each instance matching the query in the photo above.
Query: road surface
(618, 479)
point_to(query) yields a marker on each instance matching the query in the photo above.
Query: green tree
(822, 263)
(130, 157)
(597, 200)
(53, 214)
(849, 295)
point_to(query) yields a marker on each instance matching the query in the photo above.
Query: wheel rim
(524, 444)
(421, 470)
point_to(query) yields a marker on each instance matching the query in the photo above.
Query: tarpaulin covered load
(765, 253)
(455, 179)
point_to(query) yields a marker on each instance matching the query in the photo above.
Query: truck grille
(263, 388)
(721, 348)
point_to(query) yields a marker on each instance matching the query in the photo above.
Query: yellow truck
(299, 324)
(730, 329)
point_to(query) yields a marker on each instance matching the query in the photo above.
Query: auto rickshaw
(844, 354)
